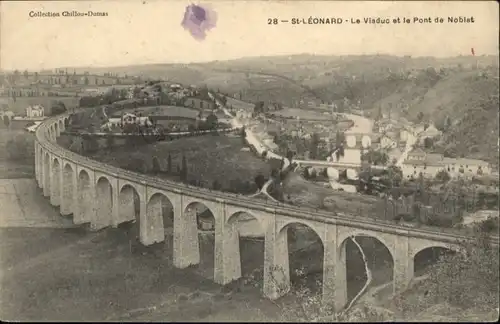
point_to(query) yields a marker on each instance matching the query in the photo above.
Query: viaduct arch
(93, 196)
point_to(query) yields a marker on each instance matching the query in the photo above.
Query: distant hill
(461, 88)
(299, 66)
(469, 99)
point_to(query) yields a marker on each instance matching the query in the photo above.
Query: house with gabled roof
(429, 164)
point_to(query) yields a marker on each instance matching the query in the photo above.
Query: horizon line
(256, 57)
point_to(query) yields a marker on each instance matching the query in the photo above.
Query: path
(23, 205)
(362, 125)
(412, 139)
(250, 136)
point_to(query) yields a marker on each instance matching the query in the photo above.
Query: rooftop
(465, 161)
(435, 159)
(418, 151)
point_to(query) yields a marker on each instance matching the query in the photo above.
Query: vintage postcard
(250, 161)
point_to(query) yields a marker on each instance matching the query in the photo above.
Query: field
(209, 158)
(68, 275)
(23, 164)
(162, 111)
(58, 274)
(72, 274)
(304, 114)
(238, 104)
(301, 192)
(21, 103)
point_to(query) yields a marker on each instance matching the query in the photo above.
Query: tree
(130, 128)
(420, 116)
(184, 169)
(445, 124)
(305, 173)
(282, 164)
(451, 150)
(395, 175)
(339, 138)
(156, 165)
(443, 176)
(379, 114)
(259, 107)
(375, 157)
(57, 108)
(260, 181)
(468, 279)
(212, 121)
(216, 185)
(313, 148)
(16, 75)
(243, 134)
(110, 142)
(6, 120)
(123, 94)
(169, 164)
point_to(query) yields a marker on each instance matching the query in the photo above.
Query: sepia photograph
(249, 161)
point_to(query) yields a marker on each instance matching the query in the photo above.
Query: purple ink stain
(198, 20)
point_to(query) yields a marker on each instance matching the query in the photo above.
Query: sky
(146, 32)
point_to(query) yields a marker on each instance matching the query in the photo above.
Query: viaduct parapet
(103, 196)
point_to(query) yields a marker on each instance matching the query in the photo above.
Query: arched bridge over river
(102, 195)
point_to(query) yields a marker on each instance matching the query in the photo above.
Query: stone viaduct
(102, 195)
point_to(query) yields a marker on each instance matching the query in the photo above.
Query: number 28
(272, 21)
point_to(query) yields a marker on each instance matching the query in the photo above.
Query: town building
(118, 122)
(429, 132)
(387, 142)
(243, 114)
(429, 164)
(404, 133)
(35, 111)
(198, 103)
(7, 113)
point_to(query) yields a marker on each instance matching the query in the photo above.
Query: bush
(110, 142)
(58, 107)
(467, 279)
(6, 120)
(216, 185)
(443, 176)
(136, 165)
(156, 165)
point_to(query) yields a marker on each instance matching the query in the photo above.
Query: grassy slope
(459, 94)
(68, 275)
(23, 167)
(466, 99)
(209, 158)
(21, 103)
(307, 194)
